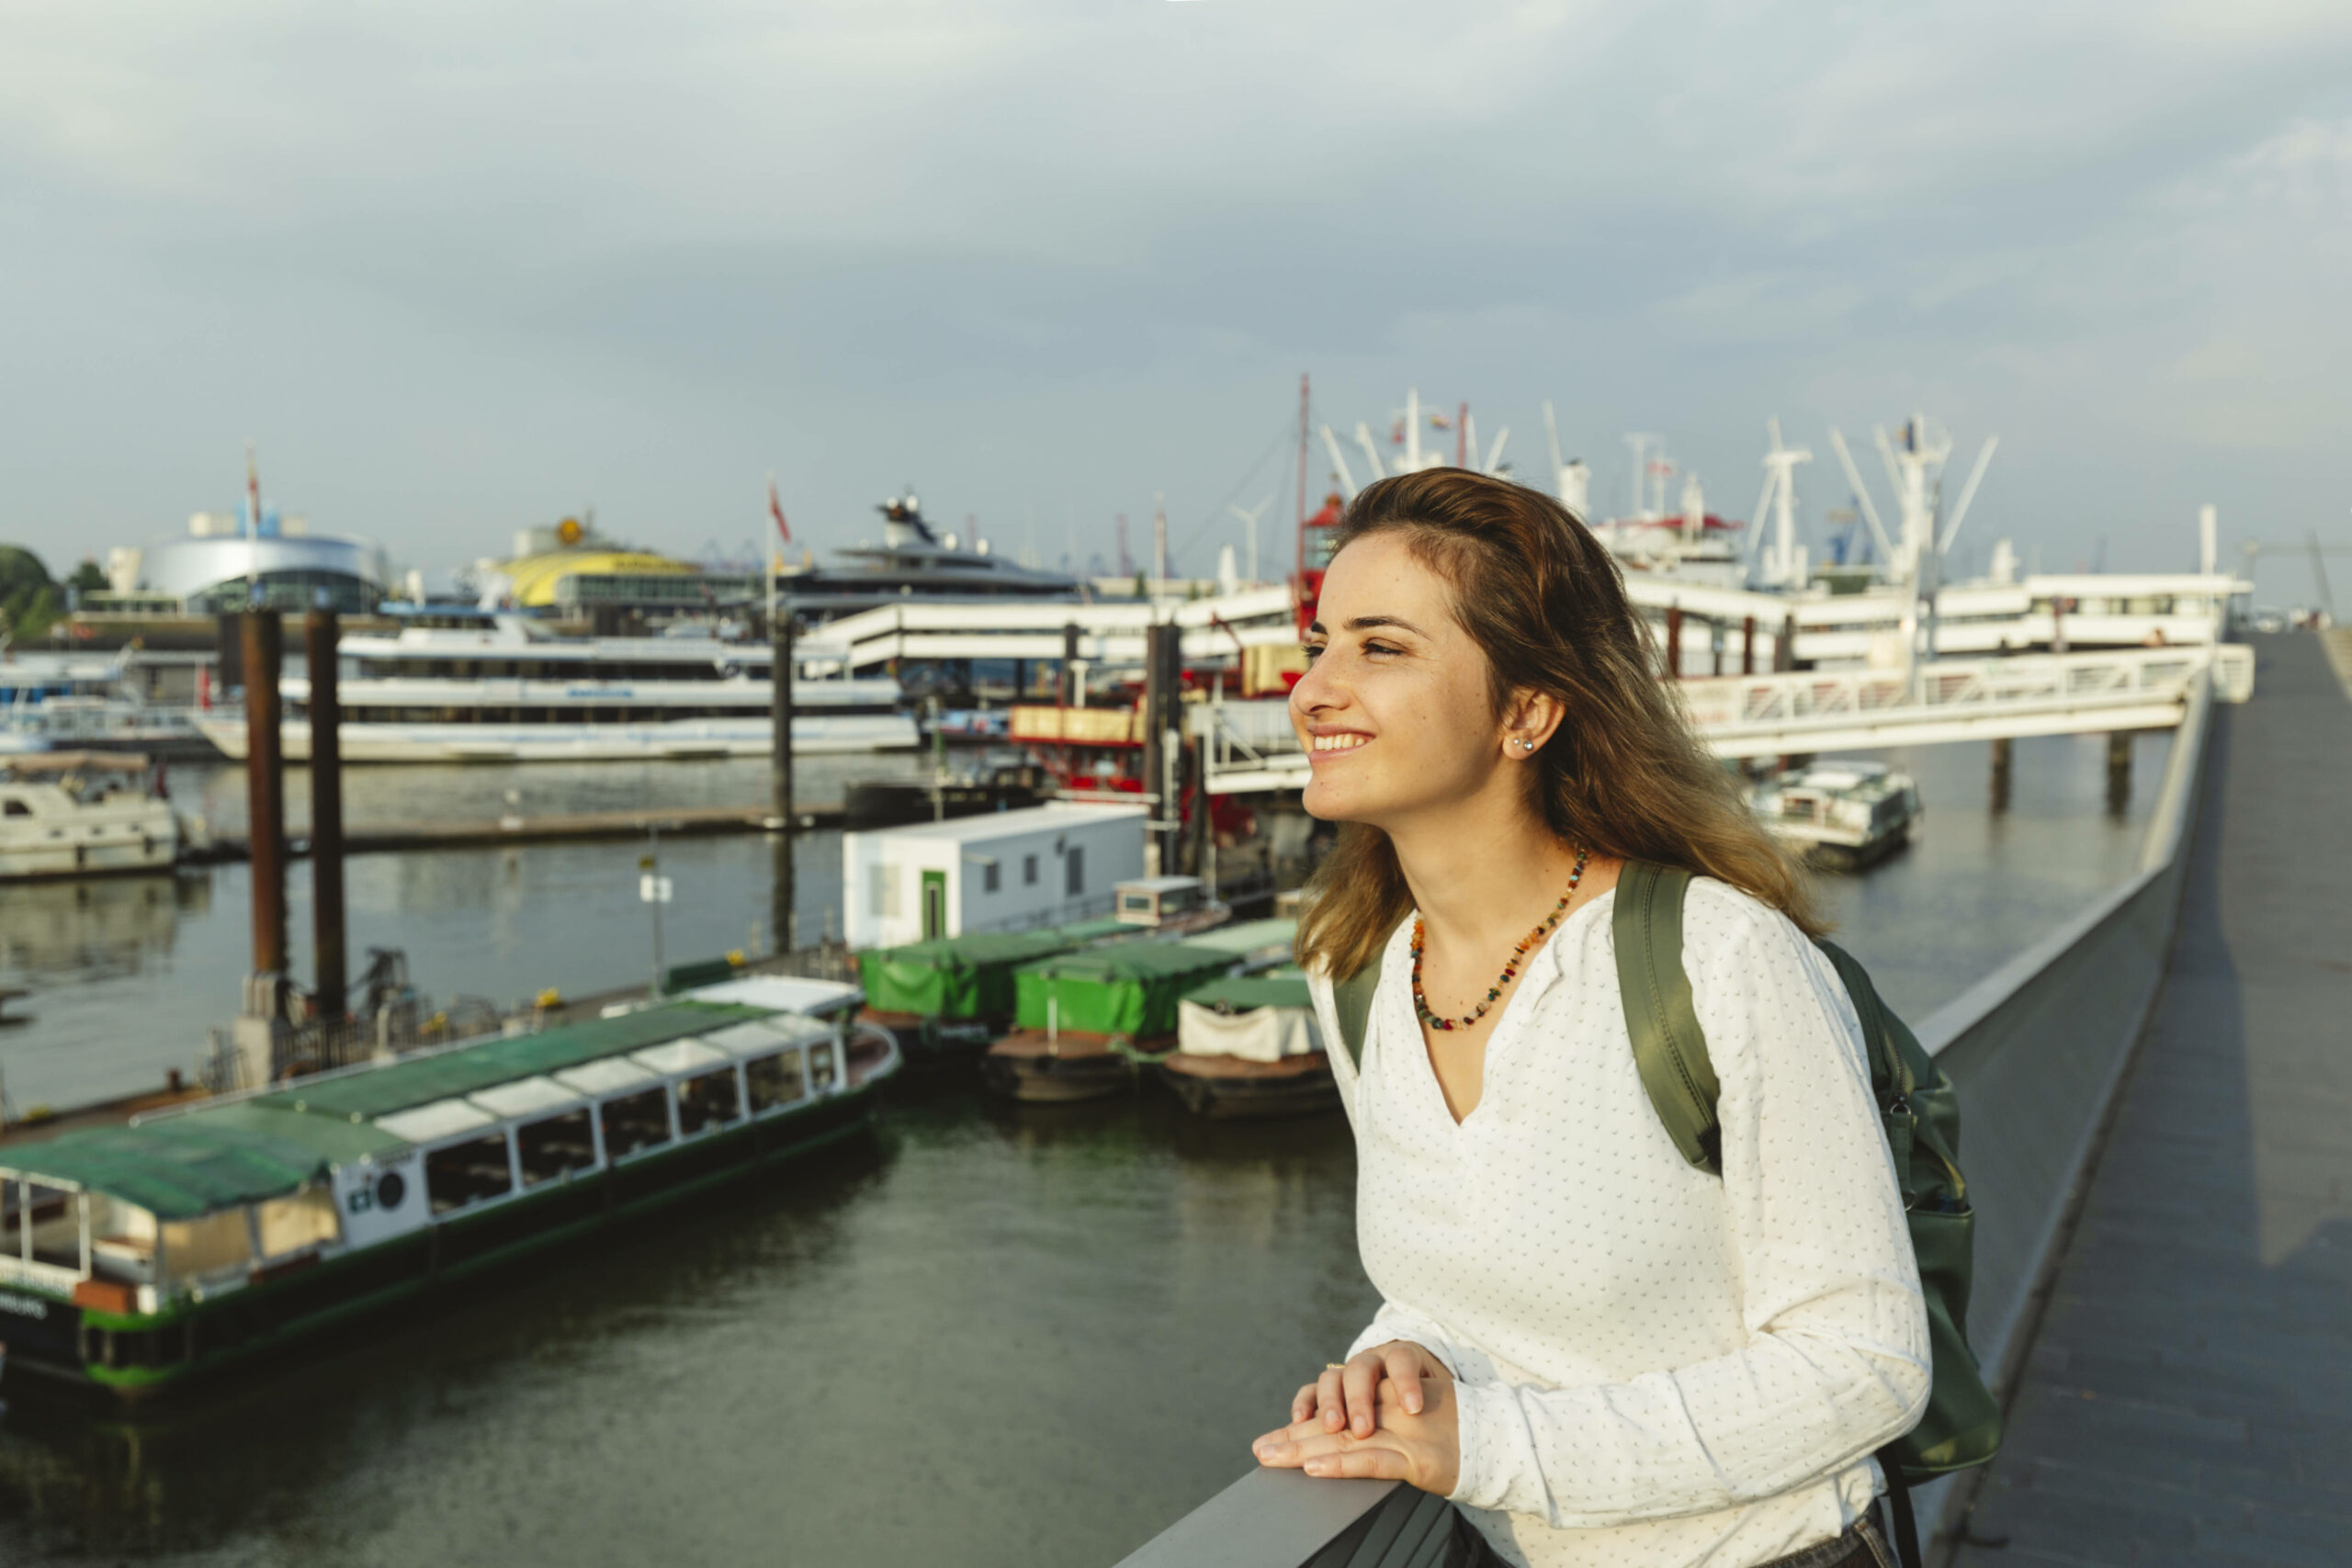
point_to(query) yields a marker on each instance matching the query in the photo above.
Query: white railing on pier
(1108, 633)
(1253, 748)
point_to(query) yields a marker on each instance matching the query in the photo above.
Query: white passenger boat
(83, 814)
(1848, 813)
(138, 1259)
(504, 689)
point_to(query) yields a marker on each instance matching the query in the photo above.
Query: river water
(994, 1334)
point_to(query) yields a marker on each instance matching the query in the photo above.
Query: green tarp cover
(468, 1068)
(1240, 993)
(1129, 989)
(956, 976)
(176, 1169)
(969, 977)
(1248, 936)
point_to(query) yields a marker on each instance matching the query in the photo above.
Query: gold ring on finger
(1335, 1366)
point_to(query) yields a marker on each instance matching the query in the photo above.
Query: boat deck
(2188, 1398)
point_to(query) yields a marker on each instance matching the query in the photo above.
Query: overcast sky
(463, 267)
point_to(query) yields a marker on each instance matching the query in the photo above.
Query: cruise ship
(501, 688)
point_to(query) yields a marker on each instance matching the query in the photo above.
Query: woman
(1602, 1354)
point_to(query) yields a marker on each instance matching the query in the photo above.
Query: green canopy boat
(135, 1257)
(967, 977)
(1129, 990)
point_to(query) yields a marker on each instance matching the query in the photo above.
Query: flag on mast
(775, 510)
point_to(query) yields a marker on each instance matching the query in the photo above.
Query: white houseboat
(506, 690)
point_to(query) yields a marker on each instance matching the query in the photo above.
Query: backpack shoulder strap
(1351, 1002)
(1668, 1046)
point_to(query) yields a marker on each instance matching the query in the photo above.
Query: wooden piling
(780, 718)
(1155, 704)
(1747, 645)
(260, 645)
(1068, 691)
(1674, 642)
(2004, 749)
(322, 634)
(782, 890)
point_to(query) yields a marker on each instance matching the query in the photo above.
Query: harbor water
(993, 1335)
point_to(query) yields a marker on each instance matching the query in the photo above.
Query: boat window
(300, 1220)
(12, 1218)
(820, 1067)
(992, 877)
(122, 1240)
(556, 1147)
(468, 1173)
(1028, 871)
(1135, 903)
(709, 1100)
(56, 1216)
(635, 1122)
(19, 808)
(1074, 871)
(776, 1081)
(193, 1249)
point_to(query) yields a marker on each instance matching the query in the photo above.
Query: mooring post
(2119, 772)
(782, 885)
(1156, 861)
(1674, 642)
(2003, 750)
(265, 787)
(259, 1030)
(1067, 693)
(1785, 651)
(1747, 645)
(321, 633)
(780, 719)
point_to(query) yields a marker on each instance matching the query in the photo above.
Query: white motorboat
(83, 814)
(504, 689)
(1848, 813)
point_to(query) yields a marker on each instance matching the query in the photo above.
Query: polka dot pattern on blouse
(1656, 1367)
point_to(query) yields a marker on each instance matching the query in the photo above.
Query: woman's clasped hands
(1388, 1414)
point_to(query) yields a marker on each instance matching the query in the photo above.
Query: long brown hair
(1622, 776)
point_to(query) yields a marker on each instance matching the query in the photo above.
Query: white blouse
(1653, 1367)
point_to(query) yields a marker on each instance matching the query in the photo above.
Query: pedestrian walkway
(2189, 1399)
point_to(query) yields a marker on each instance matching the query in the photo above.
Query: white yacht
(82, 814)
(1847, 813)
(502, 688)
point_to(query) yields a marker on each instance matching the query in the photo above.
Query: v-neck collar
(1542, 971)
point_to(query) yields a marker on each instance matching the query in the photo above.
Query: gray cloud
(460, 267)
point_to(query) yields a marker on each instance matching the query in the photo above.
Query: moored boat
(137, 1258)
(952, 994)
(1845, 813)
(1247, 1045)
(83, 814)
(1084, 1018)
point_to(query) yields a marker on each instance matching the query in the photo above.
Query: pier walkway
(2188, 1398)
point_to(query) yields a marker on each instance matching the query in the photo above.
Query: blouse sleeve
(1836, 1359)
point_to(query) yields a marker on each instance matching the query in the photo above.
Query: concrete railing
(2036, 1050)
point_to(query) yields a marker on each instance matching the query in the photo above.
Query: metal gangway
(1252, 746)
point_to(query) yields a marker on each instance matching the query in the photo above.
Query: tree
(88, 577)
(28, 600)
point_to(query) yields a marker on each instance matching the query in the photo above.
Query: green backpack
(1961, 1425)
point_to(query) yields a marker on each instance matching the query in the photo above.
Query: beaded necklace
(1420, 1002)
